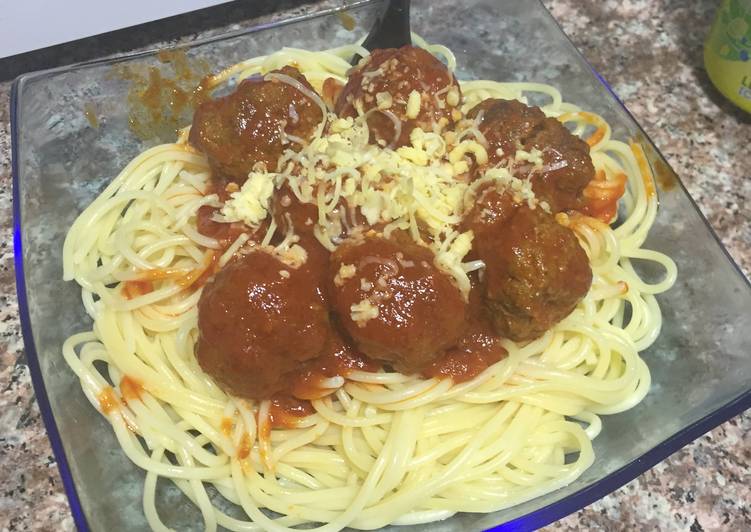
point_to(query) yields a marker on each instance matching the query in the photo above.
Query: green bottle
(727, 52)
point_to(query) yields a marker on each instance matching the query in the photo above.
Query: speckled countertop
(650, 52)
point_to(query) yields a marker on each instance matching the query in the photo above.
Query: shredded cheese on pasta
(421, 188)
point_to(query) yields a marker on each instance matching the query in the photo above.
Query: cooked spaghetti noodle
(383, 447)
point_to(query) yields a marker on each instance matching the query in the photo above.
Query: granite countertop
(651, 53)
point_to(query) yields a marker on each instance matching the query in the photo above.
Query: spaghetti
(382, 447)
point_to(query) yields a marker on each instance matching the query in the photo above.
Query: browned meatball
(535, 270)
(567, 166)
(479, 347)
(394, 303)
(505, 124)
(491, 210)
(245, 128)
(258, 320)
(392, 74)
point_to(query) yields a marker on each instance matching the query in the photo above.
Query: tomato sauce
(340, 360)
(137, 287)
(601, 197)
(477, 350)
(286, 412)
(226, 426)
(243, 451)
(665, 176)
(130, 389)
(107, 400)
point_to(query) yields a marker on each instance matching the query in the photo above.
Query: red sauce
(223, 232)
(243, 450)
(135, 288)
(340, 360)
(601, 197)
(107, 400)
(476, 354)
(596, 136)
(208, 227)
(464, 365)
(664, 175)
(195, 278)
(286, 412)
(130, 389)
(330, 91)
(226, 426)
(478, 349)
(198, 276)
(161, 99)
(157, 274)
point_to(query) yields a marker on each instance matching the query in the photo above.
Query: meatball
(479, 348)
(506, 124)
(394, 303)
(567, 167)
(386, 80)
(258, 320)
(246, 127)
(535, 270)
(492, 209)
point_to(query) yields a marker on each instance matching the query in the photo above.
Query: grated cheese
(294, 256)
(469, 146)
(346, 271)
(250, 204)
(421, 188)
(363, 312)
(533, 156)
(450, 257)
(384, 100)
(452, 97)
(413, 104)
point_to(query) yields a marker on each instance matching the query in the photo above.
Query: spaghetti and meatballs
(366, 295)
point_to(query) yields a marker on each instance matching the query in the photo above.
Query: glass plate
(701, 368)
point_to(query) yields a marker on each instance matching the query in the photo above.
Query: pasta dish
(370, 295)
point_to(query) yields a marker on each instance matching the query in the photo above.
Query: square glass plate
(700, 364)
